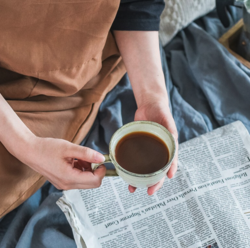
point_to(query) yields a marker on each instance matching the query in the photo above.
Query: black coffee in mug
(141, 153)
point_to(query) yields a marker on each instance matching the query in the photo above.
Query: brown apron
(58, 60)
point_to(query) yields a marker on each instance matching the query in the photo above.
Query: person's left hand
(142, 58)
(158, 111)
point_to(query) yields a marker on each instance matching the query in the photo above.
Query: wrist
(25, 147)
(152, 95)
(149, 88)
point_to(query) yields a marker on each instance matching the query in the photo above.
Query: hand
(141, 56)
(65, 165)
(158, 111)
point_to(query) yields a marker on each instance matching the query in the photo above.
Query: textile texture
(58, 60)
(207, 87)
(179, 13)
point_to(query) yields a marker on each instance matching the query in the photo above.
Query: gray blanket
(207, 87)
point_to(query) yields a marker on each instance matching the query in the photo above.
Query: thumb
(85, 154)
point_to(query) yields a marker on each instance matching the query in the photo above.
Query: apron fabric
(58, 60)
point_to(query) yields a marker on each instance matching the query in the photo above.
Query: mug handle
(109, 173)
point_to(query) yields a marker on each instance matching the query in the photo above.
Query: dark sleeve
(141, 15)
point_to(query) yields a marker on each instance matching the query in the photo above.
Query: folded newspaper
(206, 204)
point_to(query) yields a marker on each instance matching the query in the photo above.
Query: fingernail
(150, 193)
(170, 176)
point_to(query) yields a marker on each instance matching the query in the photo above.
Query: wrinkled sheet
(207, 87)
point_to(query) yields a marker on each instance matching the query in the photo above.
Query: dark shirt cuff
(138, 15)
(136, 25)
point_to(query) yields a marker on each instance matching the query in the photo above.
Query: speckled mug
(134, 179)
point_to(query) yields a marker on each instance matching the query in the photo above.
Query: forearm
(141, 55)
(14, 134)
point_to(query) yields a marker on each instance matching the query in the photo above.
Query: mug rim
(116, 164)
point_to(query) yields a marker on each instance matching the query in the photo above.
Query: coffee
(141, 153)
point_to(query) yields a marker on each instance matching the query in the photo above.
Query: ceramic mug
(134, 179)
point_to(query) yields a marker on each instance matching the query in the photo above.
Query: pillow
(179, 13)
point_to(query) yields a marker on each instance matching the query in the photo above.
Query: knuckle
(65, 146)
(88, 152)
(65, 182)
(91, 155)
(65, 185)
(57, 186)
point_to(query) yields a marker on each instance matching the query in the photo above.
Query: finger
(131, 189)
(100, 171)
(170, 125)
(156, 187)
(173, 167)
(82, 165)
(85, 154)
(84, 179)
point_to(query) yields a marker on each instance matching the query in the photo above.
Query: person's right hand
(65, 165)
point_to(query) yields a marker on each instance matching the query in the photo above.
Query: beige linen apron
(58, 60)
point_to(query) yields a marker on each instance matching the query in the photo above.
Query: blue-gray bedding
(207, 87)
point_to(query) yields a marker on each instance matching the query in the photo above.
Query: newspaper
(206, 204)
